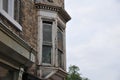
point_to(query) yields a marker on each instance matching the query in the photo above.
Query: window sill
(16, 24)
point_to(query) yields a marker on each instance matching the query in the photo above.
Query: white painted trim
(54, 37)
(15, 23)
(11, 8)
(39, 41)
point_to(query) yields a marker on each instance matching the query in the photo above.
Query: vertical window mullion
(60, 40)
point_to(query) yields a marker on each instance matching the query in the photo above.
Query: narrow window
(47, 42)
(46, 54)
(60, 59)
(60, 40)
(60, 48)
(47, 32)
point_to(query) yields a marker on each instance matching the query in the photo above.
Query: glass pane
(5, 5)
(46, 54)
(60, 61)
(47, 32)
(6, 74)
(60, 40)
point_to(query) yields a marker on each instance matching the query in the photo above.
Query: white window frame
(10, 14)
(50, 64)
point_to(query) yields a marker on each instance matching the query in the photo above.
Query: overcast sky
(93, 38)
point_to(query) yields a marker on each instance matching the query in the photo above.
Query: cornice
(61, 11)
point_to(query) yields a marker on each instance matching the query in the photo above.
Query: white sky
(93, 38)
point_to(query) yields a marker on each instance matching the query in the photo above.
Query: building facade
(32, 39)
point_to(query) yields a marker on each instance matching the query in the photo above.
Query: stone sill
(9, 18)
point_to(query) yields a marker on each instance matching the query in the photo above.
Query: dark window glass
(60, 57)
(60, 40)
(47, 32)
(5, 5)
(46, 54)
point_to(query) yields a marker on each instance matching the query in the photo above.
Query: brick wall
(28, 21)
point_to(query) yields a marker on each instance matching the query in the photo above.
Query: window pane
(6, 74)
(60, 40)
(5, 5)
(47, 32)
(60, 61)
(46, 54)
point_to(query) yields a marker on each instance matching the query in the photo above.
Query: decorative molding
(15, 37)
(63, 14)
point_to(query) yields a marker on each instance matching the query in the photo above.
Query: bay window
(52, 50)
